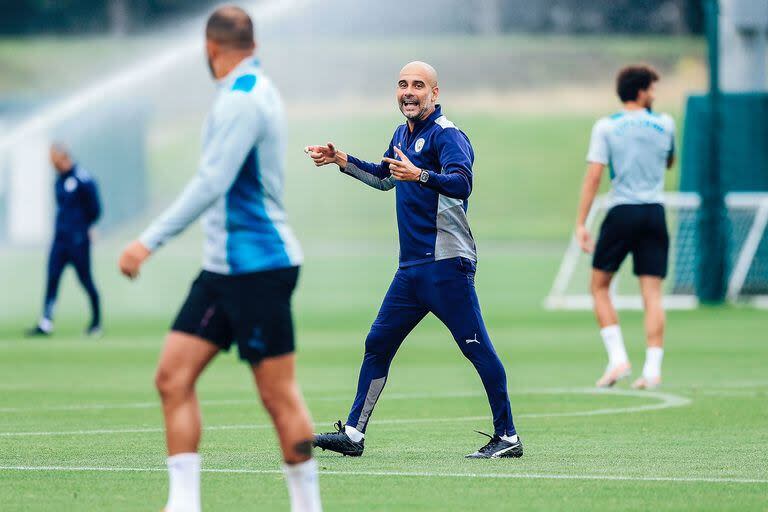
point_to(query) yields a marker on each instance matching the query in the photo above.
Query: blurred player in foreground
(638, 146)
(429, 163)
(250, 269)
(77, 210)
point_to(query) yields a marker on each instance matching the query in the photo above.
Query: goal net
(747, 259)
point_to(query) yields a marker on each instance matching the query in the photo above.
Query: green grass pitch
(80, 424)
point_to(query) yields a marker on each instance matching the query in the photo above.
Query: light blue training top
(239, 184)
(636, 145)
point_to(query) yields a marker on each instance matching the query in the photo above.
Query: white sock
(45, 325)
(353, 433)
(184, 491)
(303, 486)
(510, 439)
(614, 345)
(652, 367)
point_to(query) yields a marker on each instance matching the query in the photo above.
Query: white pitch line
(128, 405)
(667, 401)
(735, 392)
(356, 473)
(348, 397)
(244, 401)
(736, 384)
(140, 430)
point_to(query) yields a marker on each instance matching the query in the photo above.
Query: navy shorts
(252, 309)
(640, 229)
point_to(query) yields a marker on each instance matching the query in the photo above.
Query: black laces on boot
(339, 429)
(494, 439)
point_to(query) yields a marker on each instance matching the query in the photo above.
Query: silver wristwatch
(424, 176)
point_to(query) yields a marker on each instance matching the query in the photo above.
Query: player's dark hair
(231, 26)
(633, 79)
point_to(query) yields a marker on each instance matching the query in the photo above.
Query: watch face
(424, 176)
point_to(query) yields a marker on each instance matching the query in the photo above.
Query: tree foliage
(89, 16)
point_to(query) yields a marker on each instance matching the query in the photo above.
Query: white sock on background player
(354, 434)
(653, 359)
(45, 325)
(303, 486)
(614, 345)
(184, 490)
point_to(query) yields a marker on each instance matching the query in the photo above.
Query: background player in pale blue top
(250, 269)
(638, 146)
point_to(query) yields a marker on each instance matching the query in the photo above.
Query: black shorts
(252, 309)
(637, 228)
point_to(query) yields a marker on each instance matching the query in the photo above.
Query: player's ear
(642, 96)
(436, 93)
(211, 49)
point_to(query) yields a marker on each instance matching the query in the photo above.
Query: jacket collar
(71, 172)
(249, 62)
(421, 123)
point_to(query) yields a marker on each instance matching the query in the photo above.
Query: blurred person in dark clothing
(77, 209)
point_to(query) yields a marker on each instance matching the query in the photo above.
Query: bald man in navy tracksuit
(429, 164)
(77, 209)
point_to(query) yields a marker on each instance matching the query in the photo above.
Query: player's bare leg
(276, 381)
(651, 289)
(618, 363)
(183, 359)
(604, 310)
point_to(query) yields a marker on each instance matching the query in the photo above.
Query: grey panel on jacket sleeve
(369, 179)
(454, 238)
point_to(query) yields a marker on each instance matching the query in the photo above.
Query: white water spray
(24, 144)
(125, 81)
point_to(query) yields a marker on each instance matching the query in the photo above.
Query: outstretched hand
(402, 169)
(324, 155)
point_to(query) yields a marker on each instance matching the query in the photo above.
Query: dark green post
(711, 272)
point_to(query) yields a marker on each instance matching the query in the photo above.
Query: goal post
(749, 264)
(747, 221)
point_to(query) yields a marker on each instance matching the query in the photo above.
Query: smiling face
(417, 90)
